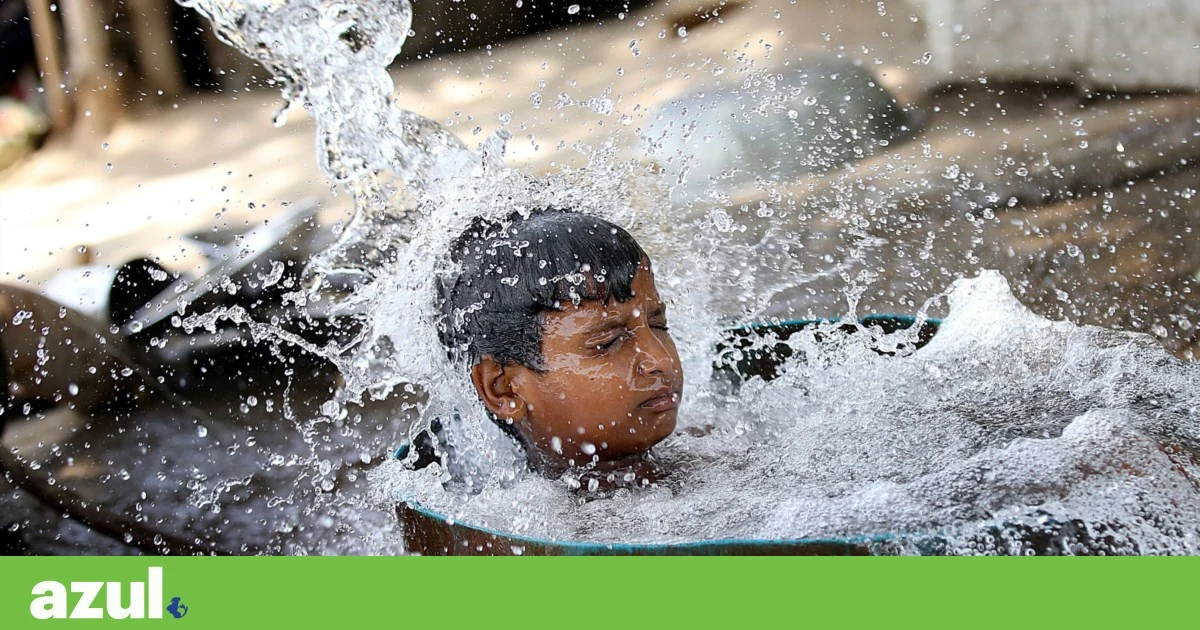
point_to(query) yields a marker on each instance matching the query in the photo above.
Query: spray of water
(1004, 419)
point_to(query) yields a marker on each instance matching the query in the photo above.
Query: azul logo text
(98, 600)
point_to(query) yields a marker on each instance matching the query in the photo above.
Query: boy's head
(559, 318)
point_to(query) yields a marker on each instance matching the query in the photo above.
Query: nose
(648, 365)
(653, 357)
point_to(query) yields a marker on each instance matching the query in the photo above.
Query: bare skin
(610, 389)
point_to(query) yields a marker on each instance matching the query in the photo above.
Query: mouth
(664, 400)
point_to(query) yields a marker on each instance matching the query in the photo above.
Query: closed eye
(612, 343)
(658, 317)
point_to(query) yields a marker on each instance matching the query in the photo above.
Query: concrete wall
(1122, 44)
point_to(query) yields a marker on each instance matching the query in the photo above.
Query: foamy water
(1004, 419)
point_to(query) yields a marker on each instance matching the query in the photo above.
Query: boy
(557, 317)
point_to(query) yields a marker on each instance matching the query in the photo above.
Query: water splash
(1005, 418)
(331, 59)
(415, 187)
(1005, 424)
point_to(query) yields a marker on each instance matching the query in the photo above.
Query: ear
(494, 384)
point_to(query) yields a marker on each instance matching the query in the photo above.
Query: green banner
(565, 592)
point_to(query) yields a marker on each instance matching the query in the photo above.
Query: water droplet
(602, 106)
(201, 430)
(721, 220)
(573, 9)
(108, 166)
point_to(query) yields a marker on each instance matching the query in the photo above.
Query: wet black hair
(512, 271)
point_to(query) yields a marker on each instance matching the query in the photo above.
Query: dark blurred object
(761, 349)
(189, 330)
(39, 336)
(11, 543)
(192, 38)
(4, 382)
(135, 285)
(446, 27)
(16, 44)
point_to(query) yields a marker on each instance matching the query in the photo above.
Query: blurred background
(126, 122)
(110, 110)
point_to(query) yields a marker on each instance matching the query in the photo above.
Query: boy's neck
(633, 471)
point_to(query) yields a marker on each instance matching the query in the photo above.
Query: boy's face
(611, 384)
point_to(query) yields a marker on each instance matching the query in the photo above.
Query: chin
(650, 433)
(660, 428)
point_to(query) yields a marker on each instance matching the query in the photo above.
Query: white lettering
(53, 601)
(137, 601)
(83, 608)
(155, 600)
